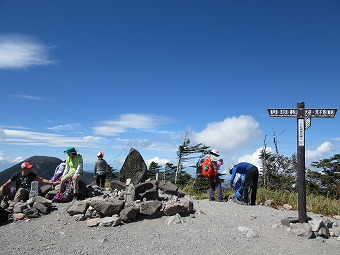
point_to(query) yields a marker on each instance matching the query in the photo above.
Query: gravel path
(212, 230)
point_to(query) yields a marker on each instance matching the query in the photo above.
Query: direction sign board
(320, 113)
(303, 113)
(283, 112)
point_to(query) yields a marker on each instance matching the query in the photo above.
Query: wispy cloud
(127, 122)
(28, 97)
(2, 156)
(26, 137)
(67, 127)
(17, 160)
(22, 51)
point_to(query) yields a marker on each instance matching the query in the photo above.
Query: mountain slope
(43, 166)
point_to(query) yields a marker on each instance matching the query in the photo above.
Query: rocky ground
(213, 229)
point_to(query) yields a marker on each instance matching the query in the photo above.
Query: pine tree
(330, 178)
(154, 169)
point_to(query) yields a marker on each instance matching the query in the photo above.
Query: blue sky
(113, 75)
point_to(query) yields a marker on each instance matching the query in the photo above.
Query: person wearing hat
(215, 181)
(23, 182)
(251, 173)
(73, 170)
(100, 168)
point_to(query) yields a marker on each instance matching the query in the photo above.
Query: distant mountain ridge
(43, 166)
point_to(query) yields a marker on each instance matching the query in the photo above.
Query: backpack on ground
(67, 195)
(207, 169)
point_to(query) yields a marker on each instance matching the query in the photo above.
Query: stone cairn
(131, 198)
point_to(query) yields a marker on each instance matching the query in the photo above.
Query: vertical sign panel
(301, 132)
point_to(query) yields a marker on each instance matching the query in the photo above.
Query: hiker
(58, 172)
(251, 178)
(73, 170)
(23, 182)
(100, 167)
(214, 180)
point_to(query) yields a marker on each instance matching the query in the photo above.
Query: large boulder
(171, 189)
(134, 168)
(117, 184)
(147, 190)
(107, 208)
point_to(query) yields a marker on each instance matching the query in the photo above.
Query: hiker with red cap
(100, 168)
(23, 182)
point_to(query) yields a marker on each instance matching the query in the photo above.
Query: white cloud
(254, 157)
(2, 156)
(320, 152)
(139, 144)
(25, 137)
(28, 97)
(129, 121)
(2, 133)
(17, 160)
(66, 127)
(229, 134)
(250, 158)
(21, 51)
(158, 160)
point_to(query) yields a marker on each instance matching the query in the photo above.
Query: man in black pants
(251, 179)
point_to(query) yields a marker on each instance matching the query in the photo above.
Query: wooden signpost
(303, 117)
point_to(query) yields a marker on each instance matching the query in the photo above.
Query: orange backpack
(207, 169)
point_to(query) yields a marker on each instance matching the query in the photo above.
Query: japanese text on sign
(320, 113)
(283, 112)
(303, 113)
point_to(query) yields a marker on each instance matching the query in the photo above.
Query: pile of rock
(131, 198)
(314, 228)
(32, 208)
(145, 200)
(319, 228)
(108, 207)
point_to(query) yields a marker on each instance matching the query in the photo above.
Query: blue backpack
(238, 189)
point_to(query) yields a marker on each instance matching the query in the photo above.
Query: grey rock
(134, 167)
(78, 207)
(150, 207)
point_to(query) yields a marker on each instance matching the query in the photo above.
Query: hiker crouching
(23, 182)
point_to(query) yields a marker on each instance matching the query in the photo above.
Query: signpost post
(303, 117)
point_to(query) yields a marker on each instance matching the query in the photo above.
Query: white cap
(215, 152)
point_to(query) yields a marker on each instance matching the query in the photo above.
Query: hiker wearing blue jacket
(251, 179)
